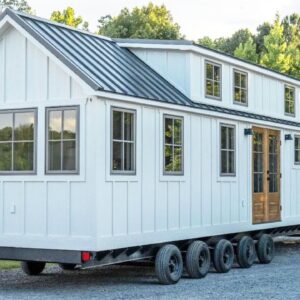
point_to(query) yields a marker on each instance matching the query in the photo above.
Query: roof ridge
(8, 10)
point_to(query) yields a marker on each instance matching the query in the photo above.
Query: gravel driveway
(279, 280)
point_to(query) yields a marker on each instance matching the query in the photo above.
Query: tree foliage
(147, 22)
(68, 17)
(275, 45)
(20, 5)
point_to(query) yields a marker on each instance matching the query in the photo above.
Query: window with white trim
(173, 145)
(240, 89)
(289, 100)
(62, 155)
(227, 155)
(123, 156)
(17, 141)
(213, 80)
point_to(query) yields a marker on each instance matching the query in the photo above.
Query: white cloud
(196, 17)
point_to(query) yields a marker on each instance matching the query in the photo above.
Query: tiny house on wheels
(120, 150)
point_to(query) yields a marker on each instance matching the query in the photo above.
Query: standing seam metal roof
(99, 61)
(105, 66)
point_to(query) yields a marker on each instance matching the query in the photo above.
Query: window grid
(297, 150)
(213, 81)
(63, 140)
(173, 146)
(240, 92)
(13, 142)
(124, 142)
(289, 99)
(229, 169)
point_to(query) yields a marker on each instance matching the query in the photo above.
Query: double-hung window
(213, 82)
(240, 89)
(123, 141)
(173, 145)
(17, 141)
(297, 150)
(227, 154)
(62, 140)
(289, 100)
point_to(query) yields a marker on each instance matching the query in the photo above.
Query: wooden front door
(266, 175)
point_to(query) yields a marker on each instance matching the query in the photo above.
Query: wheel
(223, 256)
(67, 267)
(168, 264)
(245, 252)
(197, 259)
(265, 249)
(32, 267)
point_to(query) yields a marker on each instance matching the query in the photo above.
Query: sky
(197, 18)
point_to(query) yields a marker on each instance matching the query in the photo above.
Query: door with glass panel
(266, 175)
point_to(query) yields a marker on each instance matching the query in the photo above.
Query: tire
(197, 259)
(67, 267)
(265, 249)
(168, 264)
(245, 252)
(223, 256)
(32, 268)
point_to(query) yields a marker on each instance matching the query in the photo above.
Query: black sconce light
(288, 137)
(248, 131)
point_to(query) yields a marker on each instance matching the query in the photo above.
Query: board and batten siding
(45, 211)
(186, 70)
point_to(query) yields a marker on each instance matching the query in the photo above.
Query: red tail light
(86, 256)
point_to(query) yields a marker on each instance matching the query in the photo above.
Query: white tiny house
(118, 150)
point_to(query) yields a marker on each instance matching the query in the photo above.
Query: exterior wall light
(288, 137)
(248, 131)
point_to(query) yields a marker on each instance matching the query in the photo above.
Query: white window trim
(77, 162)
(35, 112)
(122, 172)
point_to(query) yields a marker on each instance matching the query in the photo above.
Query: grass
(7, 265)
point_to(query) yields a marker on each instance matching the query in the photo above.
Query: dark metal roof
(100, 61)
(106, 66)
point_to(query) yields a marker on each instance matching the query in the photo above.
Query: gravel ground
(278, 280)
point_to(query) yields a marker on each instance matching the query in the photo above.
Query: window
(240, 87)
(213, 80)
(62, 140)
(289, 100)
(123, 141)
(297, 150)
(173, 145)
(17, 141)
(227, 150)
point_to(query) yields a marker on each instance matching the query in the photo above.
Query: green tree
(20, 5)
(276, 55)
(262, 31)
(247, 51)
(148, 22)
(206, 41)
(67, 16)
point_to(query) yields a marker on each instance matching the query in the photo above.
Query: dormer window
(240, 88)
(289, 100)
(213, 87)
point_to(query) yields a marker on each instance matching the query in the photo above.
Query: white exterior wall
(96, 210)
(150, 207)
(186, 70)
(52, 211)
